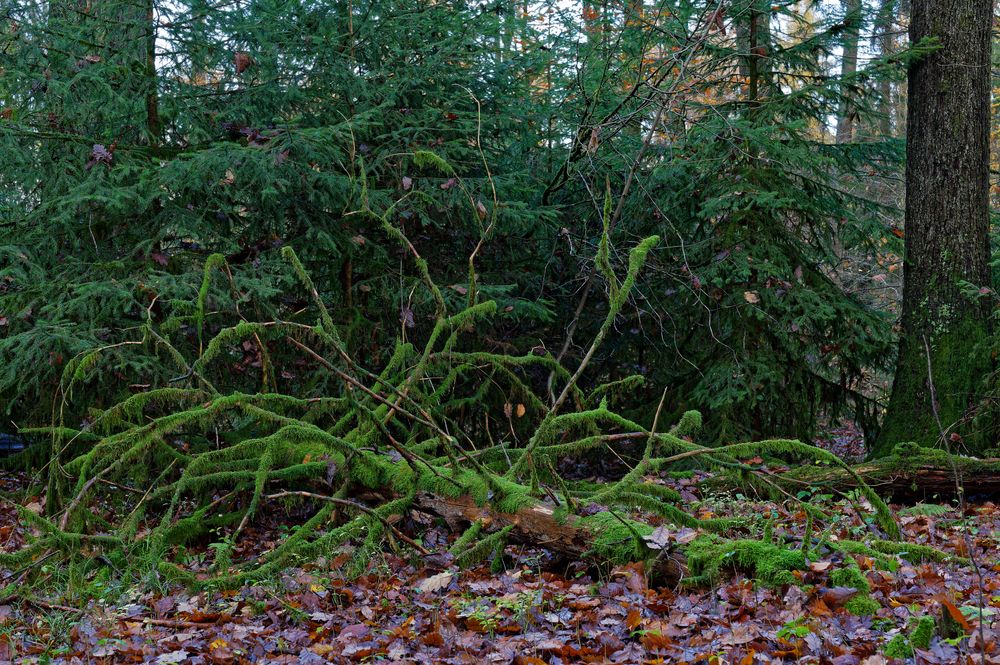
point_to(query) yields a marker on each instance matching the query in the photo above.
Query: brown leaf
(838, 595)
(740, 633)
(874, 660)
(658, 539)
(242, 60)
(436, 582)
(955, 613)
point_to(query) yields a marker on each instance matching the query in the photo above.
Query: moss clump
(850, 576)
(688, 425)
(922, 632)
(862, 606)
(898, 647)
(770, 564)
(617, 540)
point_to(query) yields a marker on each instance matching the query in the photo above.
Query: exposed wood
(538, 526)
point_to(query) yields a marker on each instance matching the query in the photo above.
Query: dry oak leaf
(435, 583)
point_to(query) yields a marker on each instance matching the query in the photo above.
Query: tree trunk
(753, 43)
(886, 43)
(947, 223)
(916, 477)
(849, 66)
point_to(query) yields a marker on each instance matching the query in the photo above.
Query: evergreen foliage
(294, 248)
(391, 432)
(135, 150)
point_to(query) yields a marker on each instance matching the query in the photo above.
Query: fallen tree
(910, 473)
(422, 433)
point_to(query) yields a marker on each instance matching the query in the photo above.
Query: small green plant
(926, 509)
(794, 629)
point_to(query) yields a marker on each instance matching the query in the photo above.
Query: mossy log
(542, 526)
(910, 473)
(398, 431)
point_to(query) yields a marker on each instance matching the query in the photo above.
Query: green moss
(490, 546)
(617, 540)
(913, 552)
(862, 606)
(850, 576)
(922, 630)
(958, 336)
(688, 425)
(770, 564)
(898, 647)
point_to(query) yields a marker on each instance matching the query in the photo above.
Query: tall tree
(885, 41)
(849, 66)
(947, 222)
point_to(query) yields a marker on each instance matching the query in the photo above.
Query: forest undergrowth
(411, 480)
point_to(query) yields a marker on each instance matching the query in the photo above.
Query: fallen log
(538, 525)
(911, 473)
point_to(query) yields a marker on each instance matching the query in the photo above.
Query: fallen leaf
(874, 660)
(658, 539)
(435, 582)
(837, 596)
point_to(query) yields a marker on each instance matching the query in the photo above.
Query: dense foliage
(138, 141)
(300, 285)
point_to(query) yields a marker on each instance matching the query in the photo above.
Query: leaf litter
(536, 609)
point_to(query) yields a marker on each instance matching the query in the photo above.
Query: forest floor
(412, 609)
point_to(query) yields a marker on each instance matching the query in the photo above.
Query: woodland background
(311, 310)
(136, 148)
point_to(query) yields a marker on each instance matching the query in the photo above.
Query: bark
(849, 66)
(947, 223)
(928, 479)
(537, 525)
(885, 41)
(753, 42)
